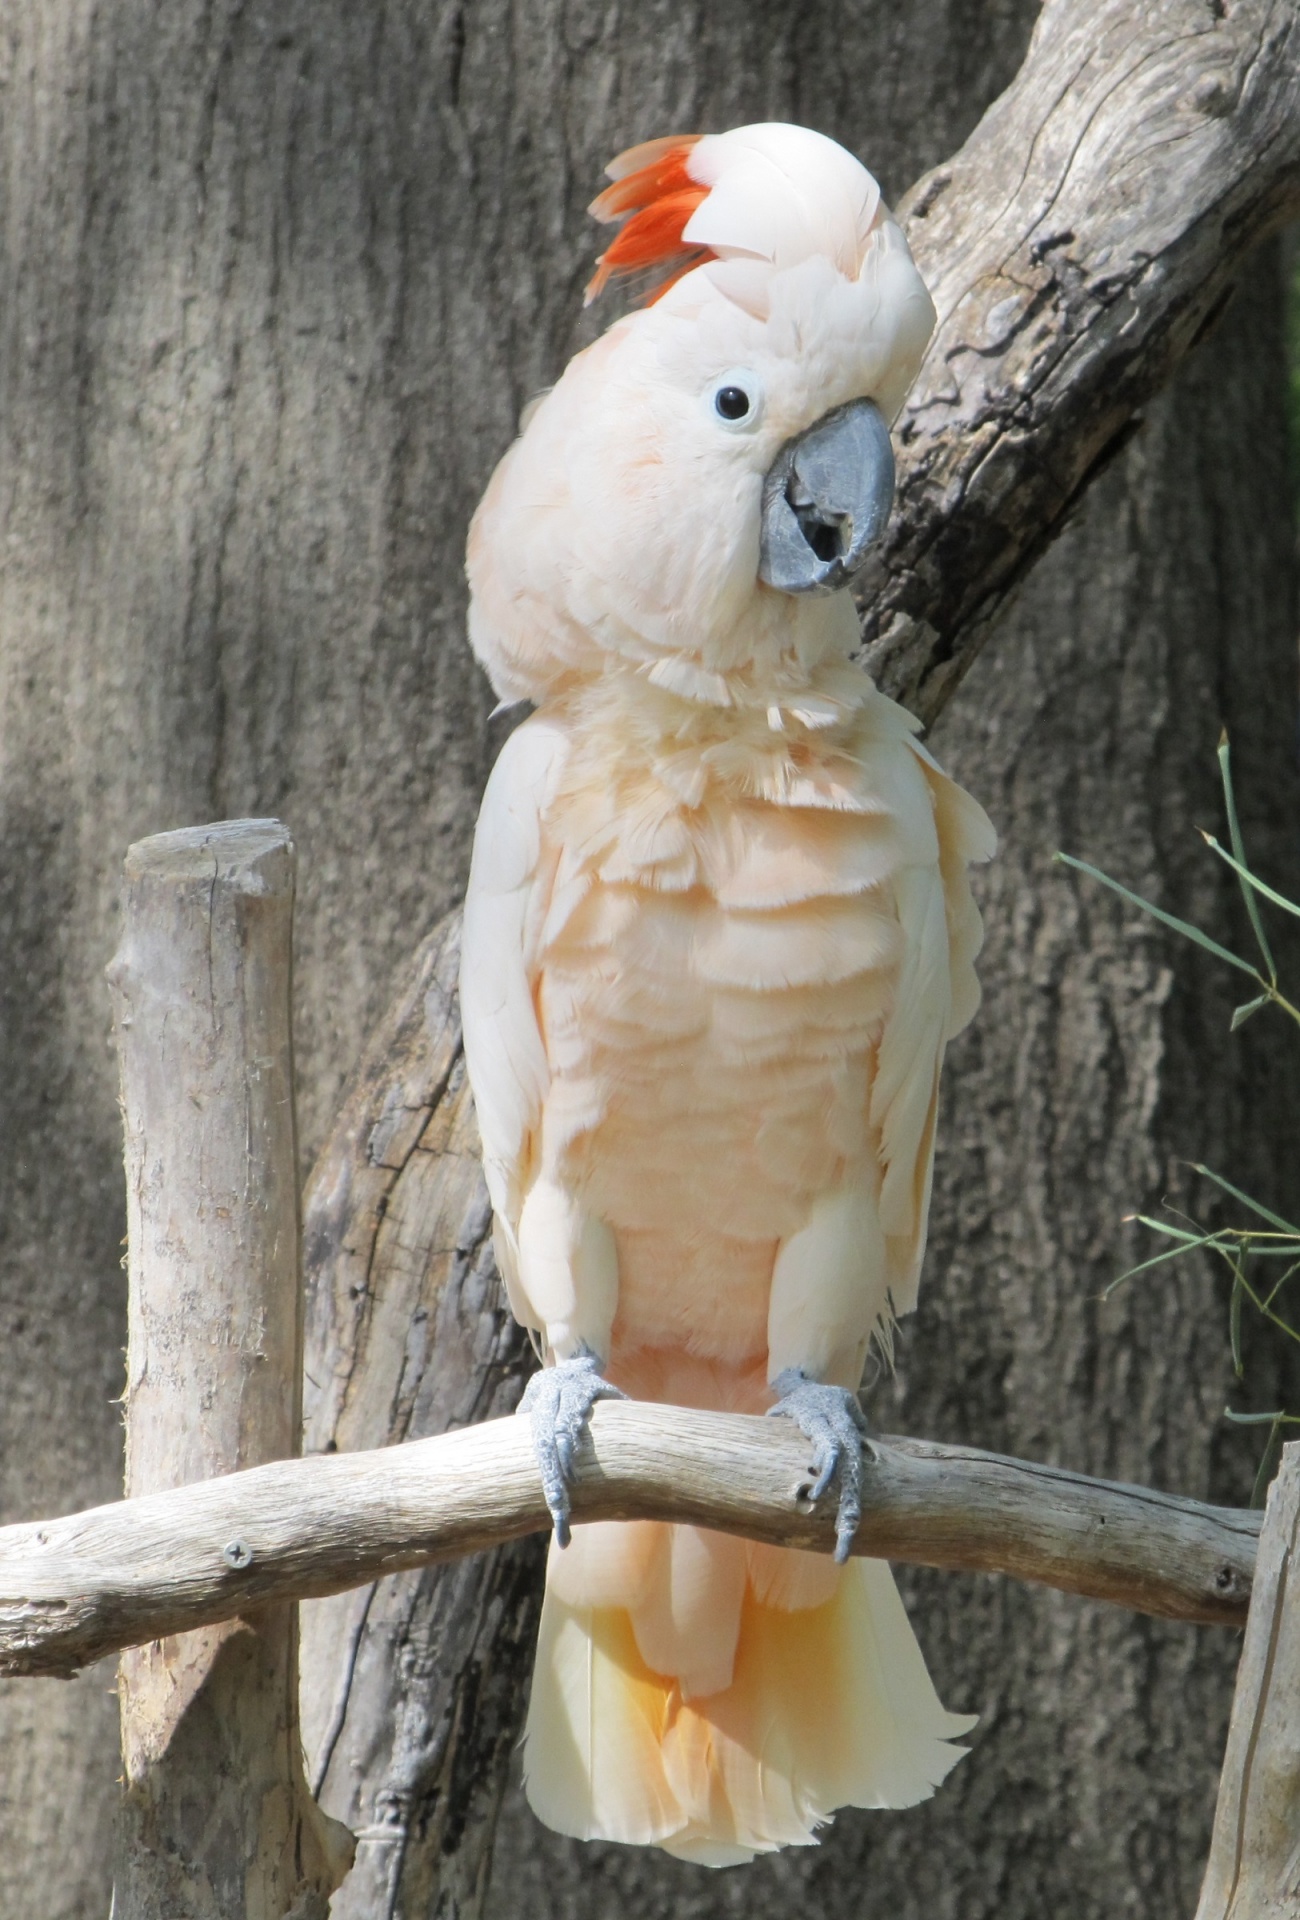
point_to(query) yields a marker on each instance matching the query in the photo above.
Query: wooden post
(216, 1822)
(1254, 1866)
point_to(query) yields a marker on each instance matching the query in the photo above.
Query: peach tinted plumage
(718, 934)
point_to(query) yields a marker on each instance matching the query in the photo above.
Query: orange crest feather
(654, 196)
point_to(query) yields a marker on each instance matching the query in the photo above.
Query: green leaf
(1239, 850)
(1173, 1233)
(1240, 1015)
(1274, 1219)
(1267, 1468)
(1184, 927)
(1156, 1260)
(1248, 878)
(1234, 1324)
(1278, 1285)
(1274, 1419)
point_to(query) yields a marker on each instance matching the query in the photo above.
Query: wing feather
(937, 994)
(505, 907)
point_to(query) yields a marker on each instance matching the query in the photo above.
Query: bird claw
(558, 1402)
(834, 1421)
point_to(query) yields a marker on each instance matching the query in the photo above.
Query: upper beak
(825, 499)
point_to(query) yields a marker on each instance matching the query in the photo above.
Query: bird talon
(558, 1402)
(834, 1421)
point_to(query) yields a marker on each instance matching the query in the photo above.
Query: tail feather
(593, 1762)
(826, 1706)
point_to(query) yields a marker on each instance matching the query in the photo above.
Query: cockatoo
(717, 935)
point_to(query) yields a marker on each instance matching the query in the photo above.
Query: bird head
(702, 483)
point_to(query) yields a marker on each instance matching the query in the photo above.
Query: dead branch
(202, 990)
(1081, 242)
(1254, 1866)
(73, 1589)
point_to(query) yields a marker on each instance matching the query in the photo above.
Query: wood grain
(215, 1821)
(1253, 1871)
(412, 1685)
(1084, 238)
(72, 1589)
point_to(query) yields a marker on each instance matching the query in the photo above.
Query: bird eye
(737, 399)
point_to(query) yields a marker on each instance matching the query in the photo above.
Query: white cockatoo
(717, 936)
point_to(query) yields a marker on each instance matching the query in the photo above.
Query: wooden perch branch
(1080, 243)
(1253, 1871)
(75, 1588)
(210, 1719)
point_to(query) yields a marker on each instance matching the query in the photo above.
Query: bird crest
(653, 195)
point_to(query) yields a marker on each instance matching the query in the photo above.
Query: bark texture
(1083, 238)
(412, 1685)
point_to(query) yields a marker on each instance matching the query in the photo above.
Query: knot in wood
(1229, 1583)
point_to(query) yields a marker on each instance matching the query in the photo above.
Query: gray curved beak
(825, 499)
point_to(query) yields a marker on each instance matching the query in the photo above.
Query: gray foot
(558, 1402)
(835, 1423)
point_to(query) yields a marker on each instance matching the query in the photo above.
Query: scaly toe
(558, 1402)
(834, 1422)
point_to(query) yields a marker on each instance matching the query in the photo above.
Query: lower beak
(825, 499)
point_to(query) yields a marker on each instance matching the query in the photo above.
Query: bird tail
(824, 1706)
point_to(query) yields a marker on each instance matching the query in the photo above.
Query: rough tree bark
(412, 1685)
(1085, 236)
(215, 1821)
(274, 290)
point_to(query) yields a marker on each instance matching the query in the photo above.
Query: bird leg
(833, 1420)
(558, 1402)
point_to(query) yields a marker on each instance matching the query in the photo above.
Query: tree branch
(1085, 237)
(76, 1588)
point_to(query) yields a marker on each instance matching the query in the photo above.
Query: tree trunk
(412, 1685)
(276, 284)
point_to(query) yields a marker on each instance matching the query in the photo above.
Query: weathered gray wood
(1254, 1866)
(216, 1822)
(412, 1685)
(1081, 241)
(71, 1589)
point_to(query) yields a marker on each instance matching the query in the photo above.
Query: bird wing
(937, 994)
(506, 901)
